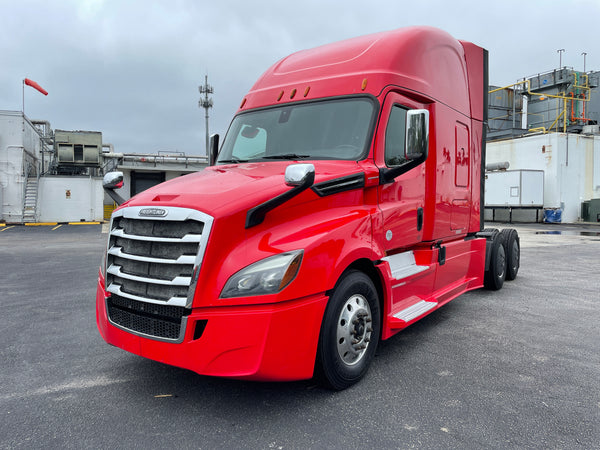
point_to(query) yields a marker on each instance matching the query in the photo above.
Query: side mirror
(300, 176)
(213, 149)
(297, 174)
(417, 134)
(112, 181)
(415, 148)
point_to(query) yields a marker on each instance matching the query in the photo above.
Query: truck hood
(224, 190)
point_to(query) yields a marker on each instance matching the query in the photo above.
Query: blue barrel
(552, 215)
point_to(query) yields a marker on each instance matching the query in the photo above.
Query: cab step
(403, 265)
(414, 311)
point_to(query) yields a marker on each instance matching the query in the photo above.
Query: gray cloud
(131, 69)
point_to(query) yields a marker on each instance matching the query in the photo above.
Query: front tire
(349, 332)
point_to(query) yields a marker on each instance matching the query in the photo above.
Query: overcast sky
(131, 69)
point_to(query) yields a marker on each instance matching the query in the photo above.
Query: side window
(395, 134)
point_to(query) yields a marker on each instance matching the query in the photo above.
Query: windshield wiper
(233, 160)
(286, 156)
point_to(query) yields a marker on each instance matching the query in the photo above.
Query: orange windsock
(36, 86)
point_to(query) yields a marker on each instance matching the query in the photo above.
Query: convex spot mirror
(113, 180)
(417, 134)
(297, 174)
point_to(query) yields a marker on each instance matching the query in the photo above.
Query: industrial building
(51, 175)
(546, 123)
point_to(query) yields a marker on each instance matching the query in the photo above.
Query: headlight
(268, 276)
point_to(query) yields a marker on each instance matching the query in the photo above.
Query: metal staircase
(30, 202)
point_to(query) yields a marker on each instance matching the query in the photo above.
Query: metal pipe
(497, 166)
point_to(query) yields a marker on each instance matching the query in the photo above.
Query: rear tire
(349, 332)
(494, 277)
(513, 252)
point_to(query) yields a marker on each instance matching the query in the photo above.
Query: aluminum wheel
(354, 329)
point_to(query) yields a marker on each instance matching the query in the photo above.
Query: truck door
(401, 201)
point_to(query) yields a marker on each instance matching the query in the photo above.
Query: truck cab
(344, 204)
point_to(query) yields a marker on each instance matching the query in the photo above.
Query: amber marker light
(291, 271)
(364, 84)
(306, 91)
(293, 93)
(243, 103)
(280, 95)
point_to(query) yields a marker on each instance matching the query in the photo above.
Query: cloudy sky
(131, 69)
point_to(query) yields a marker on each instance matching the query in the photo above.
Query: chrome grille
(154, 260)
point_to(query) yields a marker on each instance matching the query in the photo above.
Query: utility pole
(584, 54)
(205, 103)
(560, 52)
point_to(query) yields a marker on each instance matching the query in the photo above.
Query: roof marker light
(293, 93)
(306, 91)
(243, 103)
(364, 84)
(280, 95)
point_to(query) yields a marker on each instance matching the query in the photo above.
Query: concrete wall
(571, 165)
(70, 199)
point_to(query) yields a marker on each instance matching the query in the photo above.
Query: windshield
(332, 129)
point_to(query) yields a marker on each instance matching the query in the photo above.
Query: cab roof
(422, 61)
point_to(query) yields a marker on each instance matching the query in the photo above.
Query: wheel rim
(354, 329)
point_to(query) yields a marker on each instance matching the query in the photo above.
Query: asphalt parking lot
(517, 368)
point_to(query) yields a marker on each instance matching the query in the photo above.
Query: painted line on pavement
(41, 224)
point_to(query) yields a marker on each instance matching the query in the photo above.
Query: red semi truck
(345, 204)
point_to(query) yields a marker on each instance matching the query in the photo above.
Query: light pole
(205, 103)
(584, 54)
(560, 52)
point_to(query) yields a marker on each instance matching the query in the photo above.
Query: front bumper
(261, 342)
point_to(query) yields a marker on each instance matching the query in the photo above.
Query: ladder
(30, 202)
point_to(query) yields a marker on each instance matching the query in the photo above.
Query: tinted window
(395, 135)
(333, 129)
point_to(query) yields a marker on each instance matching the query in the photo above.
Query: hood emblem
(152, 212)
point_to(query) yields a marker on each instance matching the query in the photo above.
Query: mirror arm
(256, 215)
(116, 197)
(213, 149)
(388, 175)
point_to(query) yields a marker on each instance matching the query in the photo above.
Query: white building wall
(571, 165)
(70, 199)
(20, 150)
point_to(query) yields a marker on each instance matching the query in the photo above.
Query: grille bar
(173, 301)
(184, 259)
(177, 281)
(187, 238)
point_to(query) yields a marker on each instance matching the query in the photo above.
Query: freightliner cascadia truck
(344, 204)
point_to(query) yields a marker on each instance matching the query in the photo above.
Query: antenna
(205, 103)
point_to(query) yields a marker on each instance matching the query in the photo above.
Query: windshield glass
(332, 129)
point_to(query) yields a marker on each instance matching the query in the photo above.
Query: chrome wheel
(354, 329)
